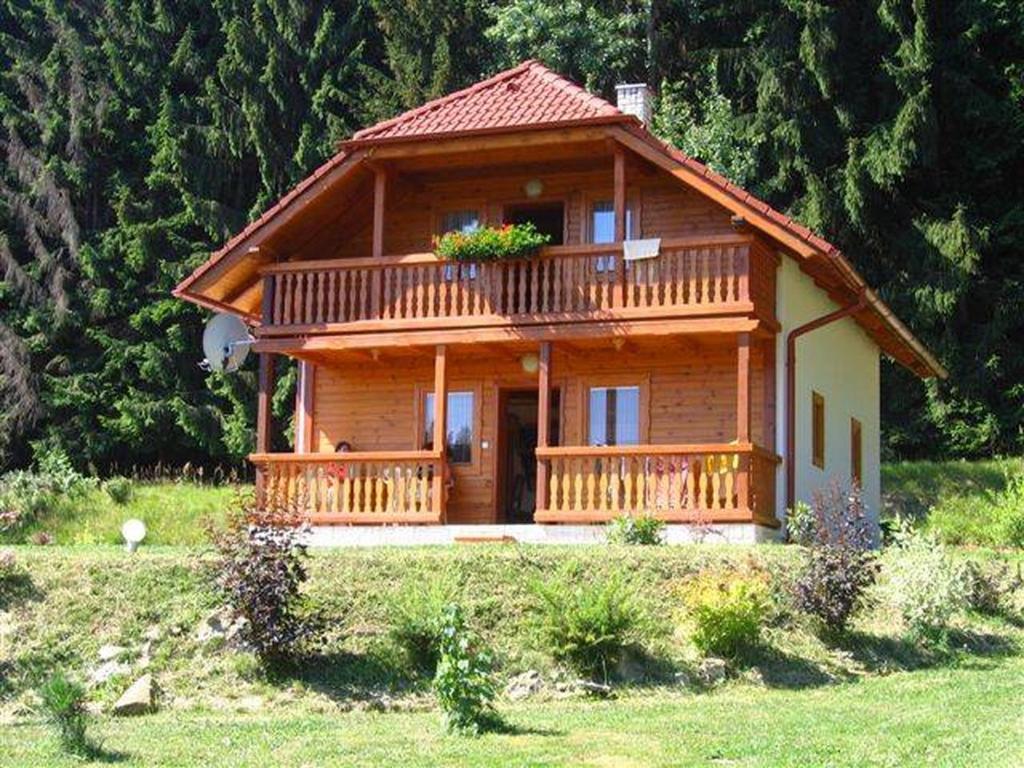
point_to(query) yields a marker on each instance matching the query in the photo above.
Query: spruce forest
(137, 135)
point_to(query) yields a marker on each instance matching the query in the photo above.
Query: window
(459, 438)
(614, 415)
(856, 454)
(817, 430)
(460, 221)
(602, 222)
(602, 229)
(465, 222)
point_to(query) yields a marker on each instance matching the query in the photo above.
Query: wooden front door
(516, 461)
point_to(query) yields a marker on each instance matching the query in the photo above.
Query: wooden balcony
(711, 276)
(676, 483)
(356, 488)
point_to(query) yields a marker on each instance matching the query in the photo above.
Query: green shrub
(587, 625)
(64, 704)
(840, 564)
(417, 617)
(922, 583)
(644, 530)
(26, 495)
(510, 241)
(119, 489)
(261, 570)
(463, 683)
(993, 518)
(726, 610)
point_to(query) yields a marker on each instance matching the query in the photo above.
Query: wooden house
(729, 373)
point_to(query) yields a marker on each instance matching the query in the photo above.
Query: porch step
(485, 540)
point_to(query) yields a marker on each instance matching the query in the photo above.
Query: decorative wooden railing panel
(378, 487)
(582, 282)
(681, 483)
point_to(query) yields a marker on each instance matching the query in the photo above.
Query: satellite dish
(226, 343)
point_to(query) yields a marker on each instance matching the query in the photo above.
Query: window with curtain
(459, 432)
(602, 229)
(465, 222)
(614, 415)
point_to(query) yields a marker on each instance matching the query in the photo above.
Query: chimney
(635, 99)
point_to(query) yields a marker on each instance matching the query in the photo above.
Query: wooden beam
(441, 146)
(264, 420)
(304, 408)
(620, 194)
(743, 417)
(441, 428)
(380, 185)
(543, 422)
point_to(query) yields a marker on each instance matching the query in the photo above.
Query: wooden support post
(380, 185)
(264, 417)
(304, 408)
(543, 422)
(743, 418)
(619, 198)
(267, 303)
(440, 428)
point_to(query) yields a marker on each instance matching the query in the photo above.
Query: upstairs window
(817, 430)
(459, 432)
(614, 415)
(465, 221)
(602, 222)
(460, 221)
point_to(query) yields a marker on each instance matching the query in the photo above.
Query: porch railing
(678, 483)
(367, 487)
(580, 281)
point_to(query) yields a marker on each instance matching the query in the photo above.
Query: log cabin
(713, 376)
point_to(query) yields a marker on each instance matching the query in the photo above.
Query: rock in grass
(524, 685)
(139, 699)
(594, 688)
(111, 652)
(711, 671)
(108, 670)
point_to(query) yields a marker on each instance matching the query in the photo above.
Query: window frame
(633, 204)
(817, 429)
(424, 389)
(626, 380)
(857, 451)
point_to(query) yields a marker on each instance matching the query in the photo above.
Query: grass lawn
(964, 715)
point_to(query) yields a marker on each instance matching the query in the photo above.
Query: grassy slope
(913, 487)
(814, 705)
(964, 716)
(174, 514)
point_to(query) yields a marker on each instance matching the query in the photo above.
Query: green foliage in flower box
(510, 241)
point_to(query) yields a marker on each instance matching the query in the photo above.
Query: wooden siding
(414, 207)
(690, 392)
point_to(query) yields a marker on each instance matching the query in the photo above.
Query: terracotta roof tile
(525, 96)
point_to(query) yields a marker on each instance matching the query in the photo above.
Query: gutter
(791, 338)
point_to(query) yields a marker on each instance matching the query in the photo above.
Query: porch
(571, 433)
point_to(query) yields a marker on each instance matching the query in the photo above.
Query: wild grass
(175, 513)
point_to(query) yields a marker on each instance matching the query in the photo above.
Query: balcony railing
(675, 483)
(563, 283)
(366, 487)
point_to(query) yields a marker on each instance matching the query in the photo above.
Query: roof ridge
(441, 101)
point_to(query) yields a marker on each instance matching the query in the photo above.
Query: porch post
(440, 428)
(543, 422)
(264, 417)
(743, 418)
(619, 202)
(380, 185)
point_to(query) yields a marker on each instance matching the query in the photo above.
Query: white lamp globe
(530, 362)
(133, 531)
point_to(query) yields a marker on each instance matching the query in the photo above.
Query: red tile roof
(529, 95)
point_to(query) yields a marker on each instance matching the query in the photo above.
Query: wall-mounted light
(530, 362)
(534, 188)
